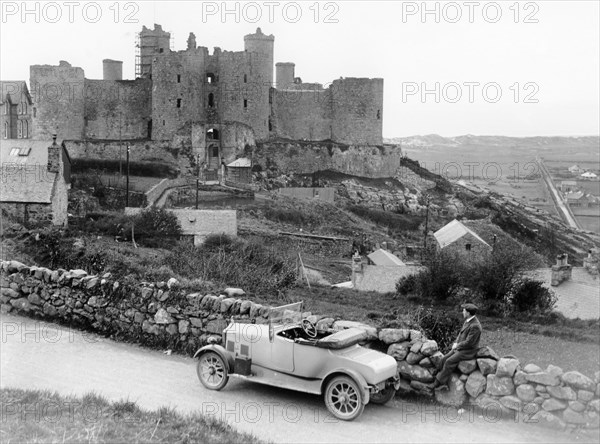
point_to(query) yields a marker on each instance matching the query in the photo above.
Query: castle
(218, 104)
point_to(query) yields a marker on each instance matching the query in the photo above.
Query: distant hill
(432, 140)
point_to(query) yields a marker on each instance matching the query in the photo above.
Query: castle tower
(262, 45)
(284, 75)
(112, 69)
(152, 42)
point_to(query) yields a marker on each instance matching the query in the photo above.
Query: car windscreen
(286, 314)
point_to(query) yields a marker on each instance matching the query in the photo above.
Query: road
(40, 355)
(558, 201)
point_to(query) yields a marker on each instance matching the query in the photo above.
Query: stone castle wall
(162, 314)
(309, 157)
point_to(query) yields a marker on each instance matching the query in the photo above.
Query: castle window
(161, 50)
(212, 134)
(163, 123)
(24, 108)
(245, 103)
(25, 129)
(178, 103)
(245, 78)
(270, 125)
(178, 78)
(211, 100)
(211, 78)
(6, 130)
(20, 129)
(468, 247)
(34, 111)
(378, 114)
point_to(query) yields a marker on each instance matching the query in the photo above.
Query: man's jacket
(468, 338)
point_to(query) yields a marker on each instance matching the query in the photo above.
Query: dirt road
(40, 355)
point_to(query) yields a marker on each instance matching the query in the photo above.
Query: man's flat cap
(471, 308)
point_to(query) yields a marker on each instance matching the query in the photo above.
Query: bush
(531, 296)
(388, 219)
(156, 227)
(438, 326)
(406, 285)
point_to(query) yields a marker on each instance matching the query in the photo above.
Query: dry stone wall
(163, 314)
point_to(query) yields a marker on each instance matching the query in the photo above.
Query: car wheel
(343, 398)
(383, 396)
(212, 371)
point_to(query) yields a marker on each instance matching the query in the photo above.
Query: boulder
(572, 417)
(15, 267)
(399, 351)
(245, 307)
(532, 368)
(35, 299)
(216, 326)
(183, 326)
(425, 362)
(163, 317)
(475, 384)
(487, 352)
(436, 359)
(226, 304)
(594, 405)
(50, 310)
(9, 292)
(544, 378)
(172, 283)
(547, 419)
(416, 346)
(486, 366)
(416, 335)
(519, 377)
(578, 381)
(456, 394)
(526, 392)
(429, 348)
(21, 304)
(551, 405)
(368, 329)
(208, 301)
(255, 310)
(150, 328)
(414, 372)
(467, 367)
(496, 386)
(492, 407)
(196, 322)
(138, 317)
(511, 402)
(585, 395)
(414, 358)
(576, 406)
(541, 388)
(172, 329)
(566, 393)
(393, 335)
(232, 292)
(554, 370)
(506, 367)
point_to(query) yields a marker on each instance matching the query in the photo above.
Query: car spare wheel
(343, 398)
(212, 371)
(383, 396)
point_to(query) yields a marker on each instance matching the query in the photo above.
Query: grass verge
(35, 416)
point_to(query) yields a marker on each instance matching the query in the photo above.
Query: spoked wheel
(212, 371)
(383, 396)
(343, 398)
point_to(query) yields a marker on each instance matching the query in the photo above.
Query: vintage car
(290, 352)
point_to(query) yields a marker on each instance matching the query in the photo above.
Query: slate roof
(190, 220)
(241, 163)
(25, 178)
(578, 297)
(384, 258)
(453, 231)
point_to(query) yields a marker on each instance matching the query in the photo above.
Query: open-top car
(291, 352)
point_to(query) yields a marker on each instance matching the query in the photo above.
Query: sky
(514, 68)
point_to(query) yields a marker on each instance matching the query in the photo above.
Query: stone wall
(140, 150)
(163, 314)
(29, 213)
(302, 114)
(117, 109)
(309, 157)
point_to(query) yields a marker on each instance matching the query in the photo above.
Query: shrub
(528, 295)
(406, 285)
(436, 325)
(388, 219)
(156, 227)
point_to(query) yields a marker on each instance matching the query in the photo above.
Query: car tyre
(212, 371)
(343, 398)
(383, 396)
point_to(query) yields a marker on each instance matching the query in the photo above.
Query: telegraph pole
(197, 177)
(426, 224)
(127, 186)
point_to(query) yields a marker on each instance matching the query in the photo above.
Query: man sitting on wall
(463, 349)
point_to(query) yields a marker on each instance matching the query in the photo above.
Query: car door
(282, 354)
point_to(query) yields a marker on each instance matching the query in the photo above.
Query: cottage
(575, 169)
(456, 237)
(568, 185)
(589, 175)
(35, 181)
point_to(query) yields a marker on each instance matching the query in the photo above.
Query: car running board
(283, 380)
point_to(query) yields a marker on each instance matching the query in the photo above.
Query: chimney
(54, 156)
(561, 271)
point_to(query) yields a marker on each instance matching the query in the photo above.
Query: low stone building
(35, 181)
(456, 237)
